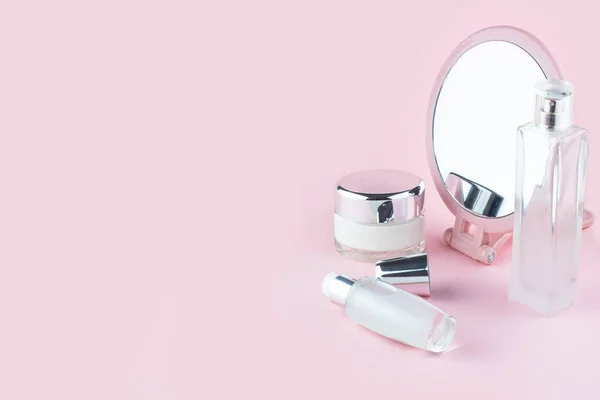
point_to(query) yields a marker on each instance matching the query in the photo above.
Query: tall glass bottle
(551, 166)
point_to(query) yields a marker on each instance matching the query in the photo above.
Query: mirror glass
(486, 95)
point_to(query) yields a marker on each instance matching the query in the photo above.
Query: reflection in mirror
(484, 98)
(473, 196)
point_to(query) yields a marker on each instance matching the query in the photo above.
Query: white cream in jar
(379, 214)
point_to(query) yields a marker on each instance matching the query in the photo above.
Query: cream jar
(379, 214)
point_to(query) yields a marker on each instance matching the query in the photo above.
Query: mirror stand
(472, 240)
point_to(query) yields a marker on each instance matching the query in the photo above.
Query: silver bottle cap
(336, 287)
(553, 103)
(380, 196)
(411, 273)
(473, 196)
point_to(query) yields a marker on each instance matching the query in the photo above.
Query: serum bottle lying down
(391, 312)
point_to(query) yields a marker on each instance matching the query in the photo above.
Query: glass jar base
(374, 256)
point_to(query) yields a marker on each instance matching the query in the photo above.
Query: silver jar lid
(380, 196)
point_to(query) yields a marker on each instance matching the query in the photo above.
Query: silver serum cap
(411, 273)
(337, 287)
(553, 104)
(380, 196)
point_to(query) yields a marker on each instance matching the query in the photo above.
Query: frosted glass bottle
(391, 312)
(550, 181)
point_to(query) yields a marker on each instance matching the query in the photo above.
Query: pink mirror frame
(474, 235)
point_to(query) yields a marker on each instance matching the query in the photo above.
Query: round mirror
(486, 95)
(484, 92)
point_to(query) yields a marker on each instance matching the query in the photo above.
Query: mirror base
(473, 241)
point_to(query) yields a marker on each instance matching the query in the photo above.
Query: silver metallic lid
(336, 287)
(553, 103)
(411, 272)
(380, 196)
(473, 196)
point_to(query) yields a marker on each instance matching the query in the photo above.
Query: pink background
(167, 174)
